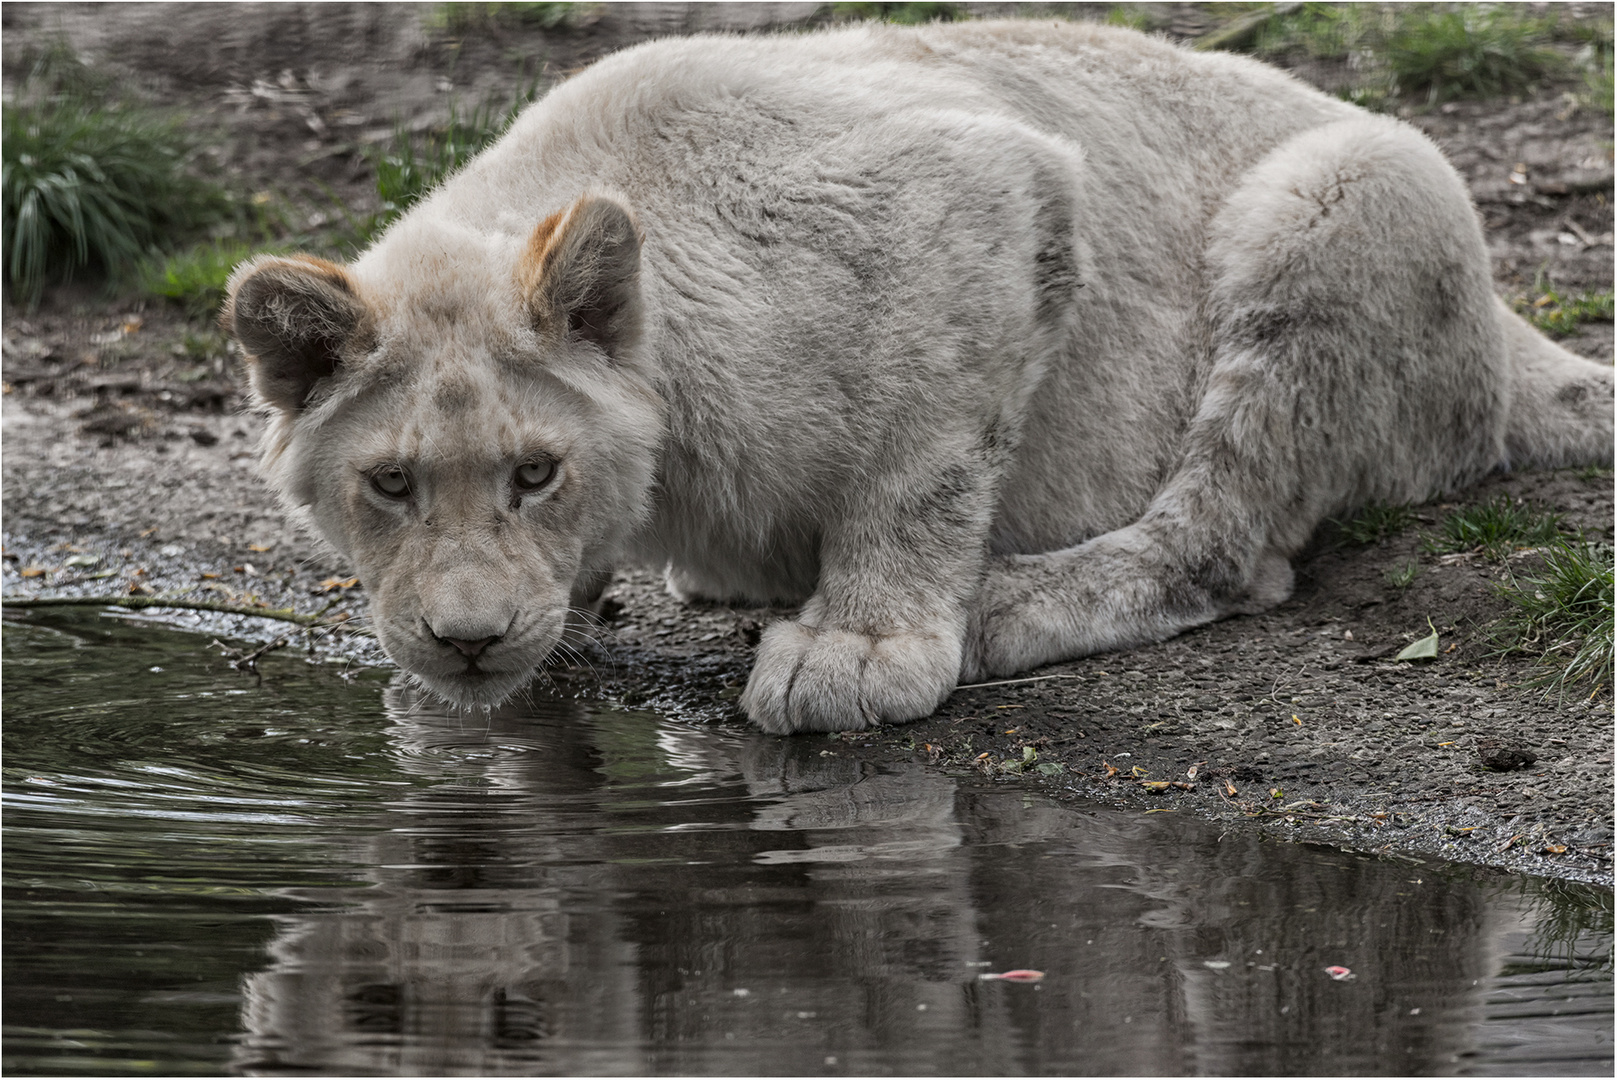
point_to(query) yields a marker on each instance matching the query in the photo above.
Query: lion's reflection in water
(573, 889)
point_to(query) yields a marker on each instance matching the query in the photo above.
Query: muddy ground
(128, 466)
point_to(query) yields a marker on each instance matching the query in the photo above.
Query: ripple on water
(210, 872)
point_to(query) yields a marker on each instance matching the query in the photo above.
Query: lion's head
(467, 416)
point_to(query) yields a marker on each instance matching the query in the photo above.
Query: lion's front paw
(833, 680)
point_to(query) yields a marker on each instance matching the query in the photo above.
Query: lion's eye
(533, 475)
(391, 482)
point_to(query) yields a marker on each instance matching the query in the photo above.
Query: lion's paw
(833, 680)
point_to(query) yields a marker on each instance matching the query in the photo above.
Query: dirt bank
(127, 464)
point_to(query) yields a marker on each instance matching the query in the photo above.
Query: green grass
(1402, 575)
(1470, 50)
(1132, 16)
(904, 14)
(195, 277)
(1322, 31)
(1560, 315)
(89, 184)
(413, 164)
(1597, 84)
(1374, 522)
(1495, 529)
(1436, 51)
(1563, 612)
(463, 17)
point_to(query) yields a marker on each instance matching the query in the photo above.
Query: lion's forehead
(444, 411)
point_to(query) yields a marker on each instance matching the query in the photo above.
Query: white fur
(992, 344)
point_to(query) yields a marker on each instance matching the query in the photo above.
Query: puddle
(207, 873)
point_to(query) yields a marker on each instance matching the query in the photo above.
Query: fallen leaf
(1191, 772)
(338, 583)
(1154, 785)
(34, 571)
(1339, 973)
(1229, 787)
(1424, 649)
(82, 560)
(1139, 771)
(1022, 975)
(1296, 719)
(1276, 793)
(1111, 770)
(260, 547)
(207, 576)
(1555, 849)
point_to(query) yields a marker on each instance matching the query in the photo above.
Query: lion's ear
(580, 274)
(294, 317)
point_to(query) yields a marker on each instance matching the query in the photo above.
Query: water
(208, 873)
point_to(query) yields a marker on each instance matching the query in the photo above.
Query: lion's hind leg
(1356, 356)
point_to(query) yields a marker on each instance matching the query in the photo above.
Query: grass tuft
(1564, 613)
(87, 184)
(1470, 50)
(1375, 522)
(1321, 31)
(1495, 529)
(1133, 17)
(460, 18)
(414, 164)
(1402, 575)
(1440, 51)
(913, 14)
(1561, 315)
(195, 278)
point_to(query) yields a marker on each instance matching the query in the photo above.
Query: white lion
(989, 344)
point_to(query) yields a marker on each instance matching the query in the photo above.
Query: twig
(249, 661)
(139, 602)
(1243, 30)
(1578, 231)
(1011, 682)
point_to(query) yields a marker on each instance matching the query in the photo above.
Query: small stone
(1501, 758)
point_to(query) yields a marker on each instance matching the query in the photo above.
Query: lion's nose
(471, 648)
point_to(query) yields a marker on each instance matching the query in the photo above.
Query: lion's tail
(1561, 408)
